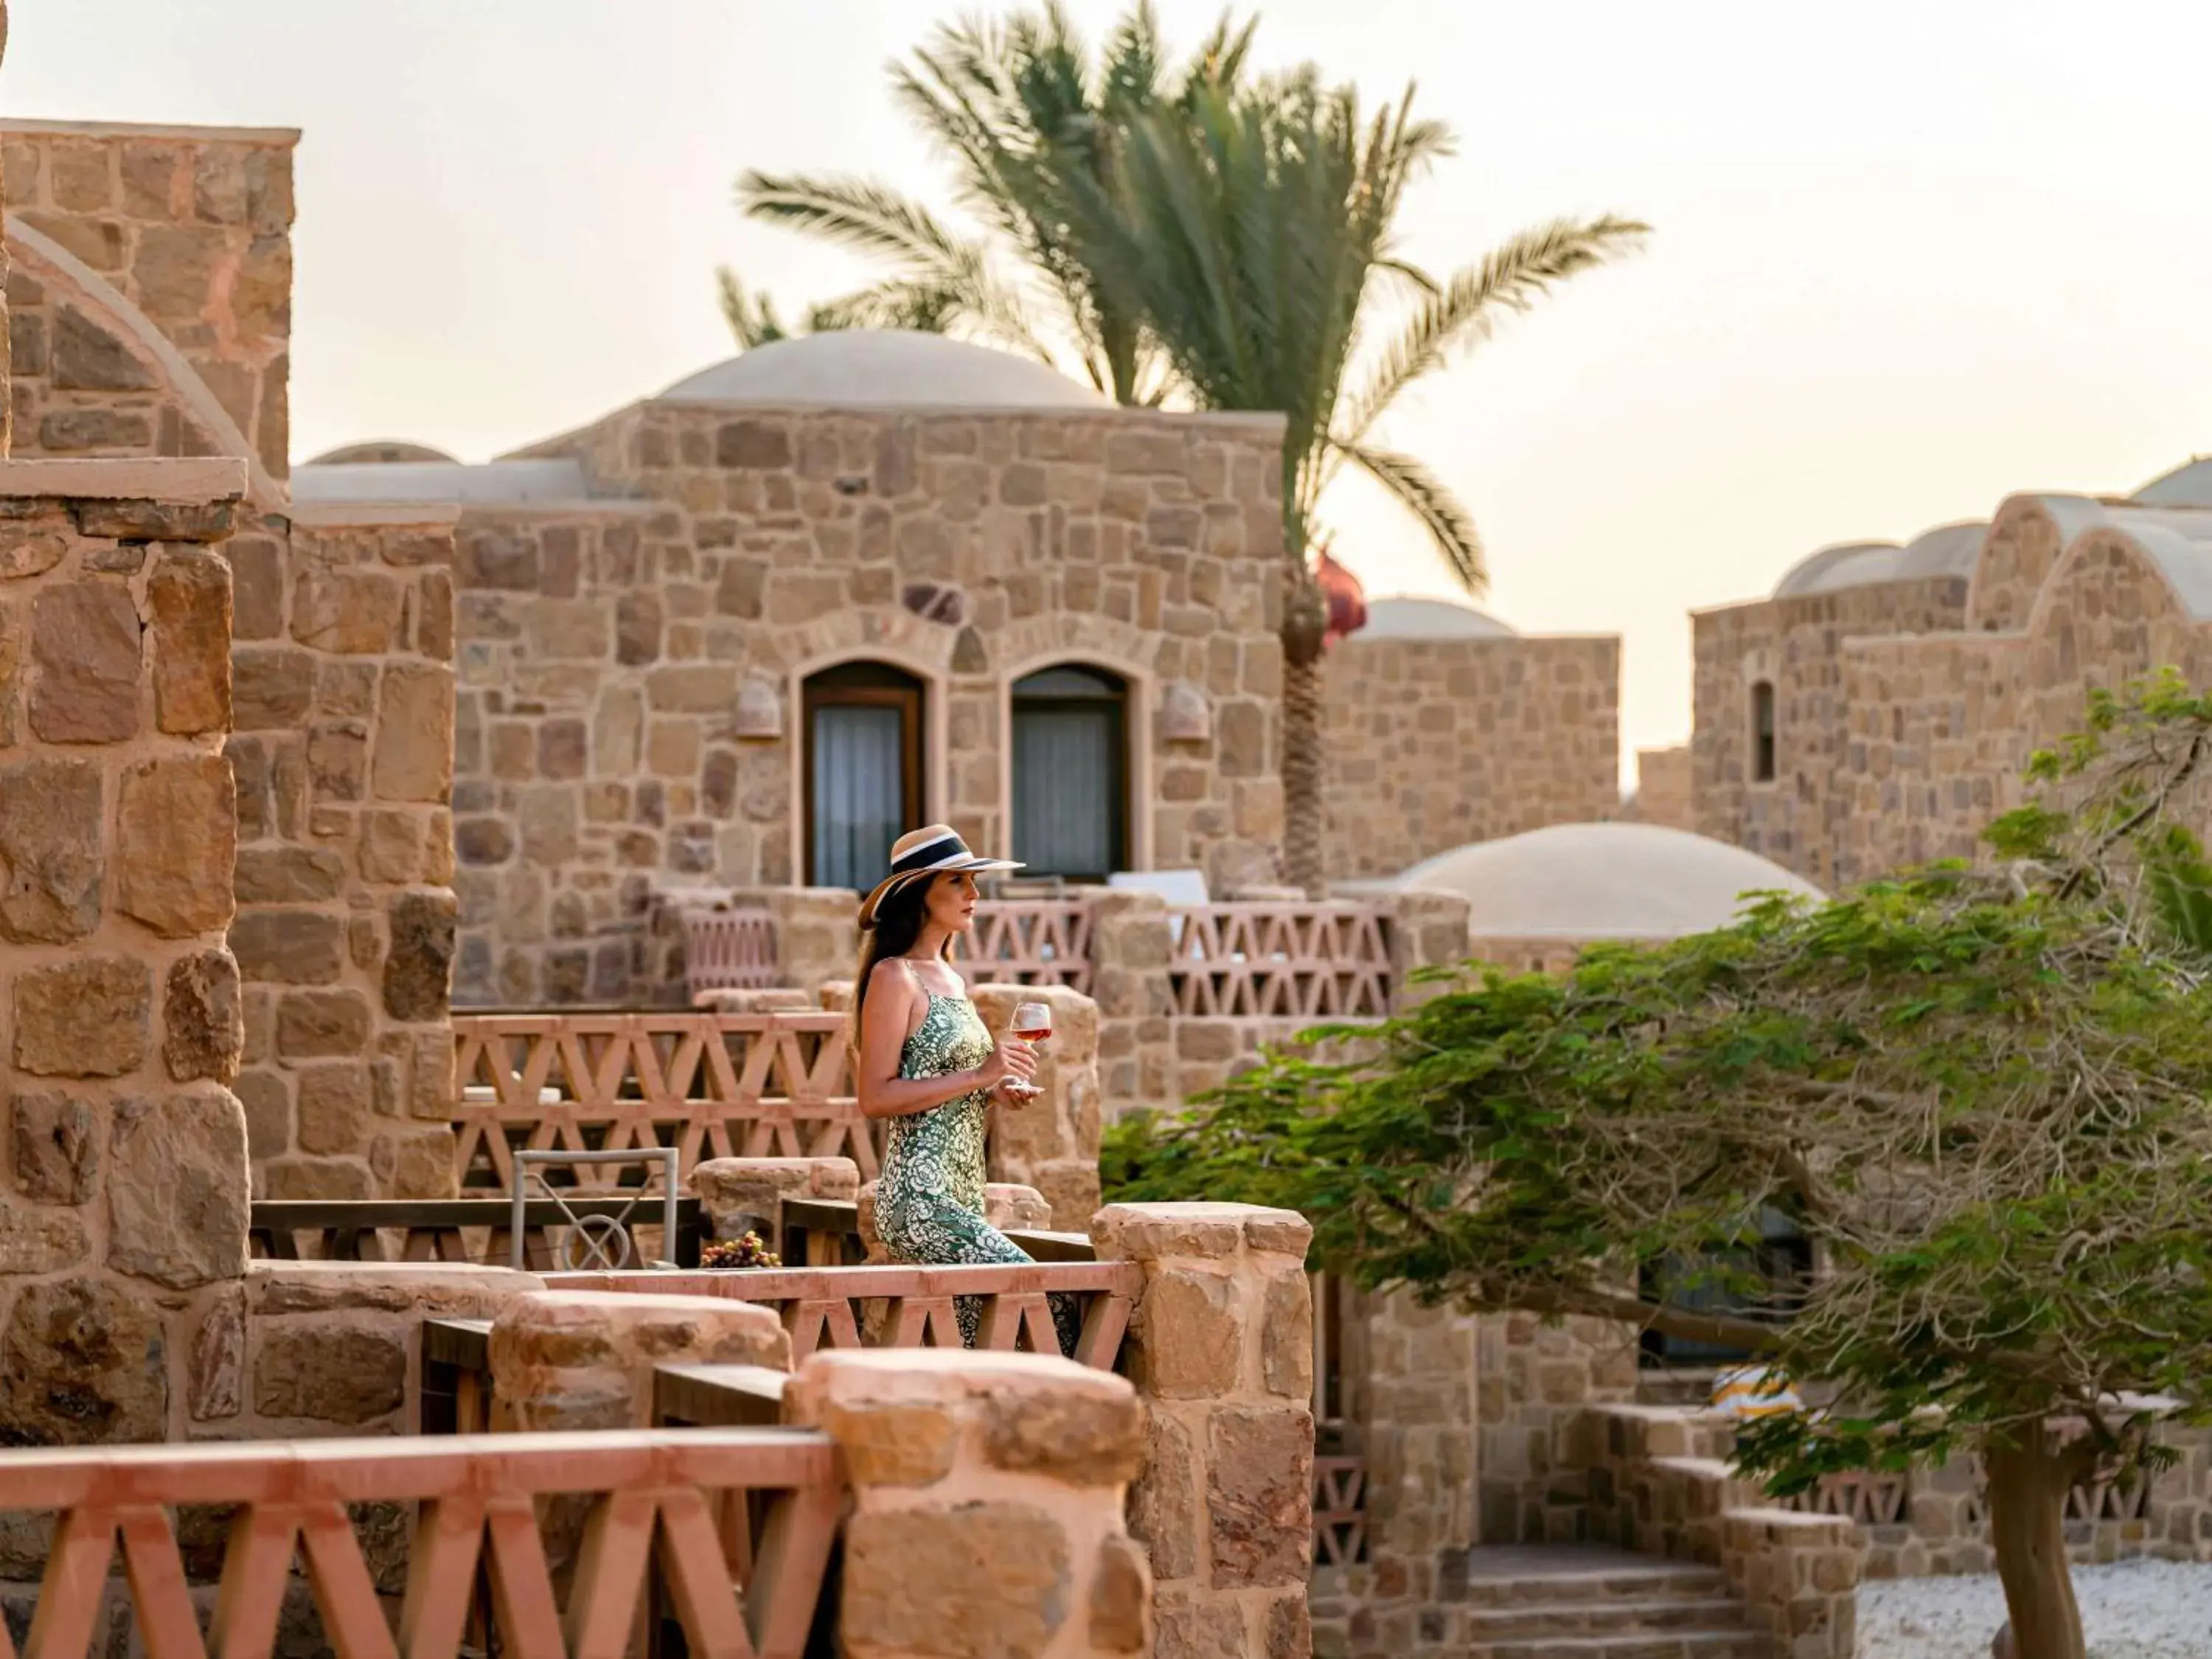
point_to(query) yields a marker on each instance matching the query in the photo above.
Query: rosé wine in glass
(1032, 1023)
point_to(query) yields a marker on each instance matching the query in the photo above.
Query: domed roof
(1599, 881)
(879, 369)
(1406, 617)
(1849, 564)
(1949, 550)
(2188, 484)
(383, 451)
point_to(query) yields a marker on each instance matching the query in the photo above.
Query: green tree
(1025, 112)
(754, 321)
(1254, 231)
(1980, 1091)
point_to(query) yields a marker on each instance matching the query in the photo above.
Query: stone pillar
(1409, 1392)
(123, 1219)
(345, 930)
(746, 1193)
(817, 936)
(1131, 945)
(1426, 930)
(1221, 1351)
(987, 1497)
(1052, 1143)
(7, 400)
(584, 1359)
(1799, 1575)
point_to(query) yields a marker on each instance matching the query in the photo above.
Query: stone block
(34, 1239)
(85, 644)
(189, 597)
(178, 1189)
(1260, 1494)
(347, 612)
(330, 1372)
(177, 841)
(82, 1362)
(418, 965)
(334, 1108)
(288, 947)
(91, 1017)
(322, 1024)
(216, 1382)
(52, 851)
(56, 1147)
(1121, 1600)
(414, 757)
(288, 875)
(984, 1580)
(202, 1018)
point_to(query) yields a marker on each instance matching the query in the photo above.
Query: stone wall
(123, 1220)
(1534, 1380)
(604, 663)
(1665, 789)
(1800, 818)
(1433, 744)
(190, 228)
(343, 756)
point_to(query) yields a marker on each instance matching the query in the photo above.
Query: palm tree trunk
(2029, 1479)
(1305, 623)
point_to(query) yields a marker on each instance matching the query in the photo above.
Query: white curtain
(857, 789)
(1065, 805)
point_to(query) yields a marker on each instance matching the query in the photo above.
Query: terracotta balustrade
(1028, 942)
(1340, 1507)
(908, 1307)
(711, 1085)
(668, 1535)
(729, 949)
(1273, 961)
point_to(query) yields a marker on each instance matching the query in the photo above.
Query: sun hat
(932, 850)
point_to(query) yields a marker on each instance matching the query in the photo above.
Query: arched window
(863, 770)
(1070, 772)
(1762, 732)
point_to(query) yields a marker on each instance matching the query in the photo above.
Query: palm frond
(854, 211)
(1426, 497)
(752, 318)
(1511, 278)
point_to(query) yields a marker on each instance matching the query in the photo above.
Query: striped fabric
(1753, 1391)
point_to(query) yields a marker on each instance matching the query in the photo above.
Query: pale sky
(1910, 257)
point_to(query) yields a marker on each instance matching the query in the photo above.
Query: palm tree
(1026, 116)
(1251, 232)
(754, 321)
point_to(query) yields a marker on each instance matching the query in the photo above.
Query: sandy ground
(2132, 1610)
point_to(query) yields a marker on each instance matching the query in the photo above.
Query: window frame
(1766, 731)
(1116, 700)
(863, 683)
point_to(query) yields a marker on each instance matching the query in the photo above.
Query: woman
(926, 1064)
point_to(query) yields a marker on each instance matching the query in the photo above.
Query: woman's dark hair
(898, 924)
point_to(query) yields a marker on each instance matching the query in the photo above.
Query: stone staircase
(1585, 1603)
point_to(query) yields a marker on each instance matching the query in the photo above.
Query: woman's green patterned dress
(929, 1197)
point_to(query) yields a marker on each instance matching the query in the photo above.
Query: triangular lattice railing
(663, 1526)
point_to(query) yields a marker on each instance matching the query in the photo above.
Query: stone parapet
(123, 1219)
(742, 1194)
(584, 1359)
(1221, 1351)
(988, 1499)
(306, 1349)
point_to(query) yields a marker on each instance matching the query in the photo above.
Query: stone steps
(1660, 1581)
(1631, 1645)
(1567, 1617)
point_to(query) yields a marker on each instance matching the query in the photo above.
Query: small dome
(1409, 618)
(382, 452)
(1949, 550)
(1852, 564)
(883, 368)
(2188, 485)
(1599, 881)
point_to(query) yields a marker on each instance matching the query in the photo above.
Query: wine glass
(1032, 1023)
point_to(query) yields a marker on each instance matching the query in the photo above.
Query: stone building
(149, 317)
(1444, 726)
(1877, 708)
